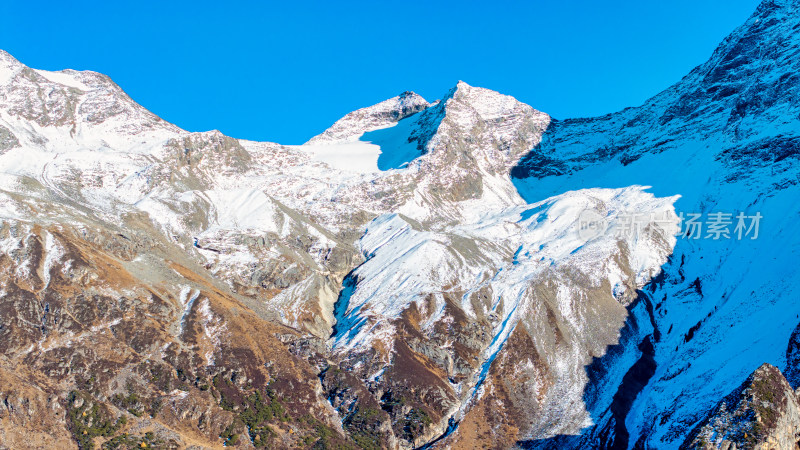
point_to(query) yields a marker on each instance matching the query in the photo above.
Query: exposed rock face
(156, 345)
(559, 304)
(226, 259)
(763, 413)
(793, 359)
(384, 114)
(750, 81)
(724, 138)
(7, 139)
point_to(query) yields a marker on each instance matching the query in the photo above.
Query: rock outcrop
(763, 413)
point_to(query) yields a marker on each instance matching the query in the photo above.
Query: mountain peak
(5, 56)
(410, 96)
(462, 85)
(771, 5)
(467, 105)
(461, 89)
(486, 102)
(87, 107)
(380, 115)
(8, 67)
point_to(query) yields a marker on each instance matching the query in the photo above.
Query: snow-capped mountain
(725, 139)
(463, 273)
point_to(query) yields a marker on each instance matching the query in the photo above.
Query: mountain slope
(725, 139)
(275, 232)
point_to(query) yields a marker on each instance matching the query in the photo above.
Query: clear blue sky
(285, 71)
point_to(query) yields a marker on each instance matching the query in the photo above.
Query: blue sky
(285, 71)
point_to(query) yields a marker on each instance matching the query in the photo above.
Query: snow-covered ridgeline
(507, 250)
